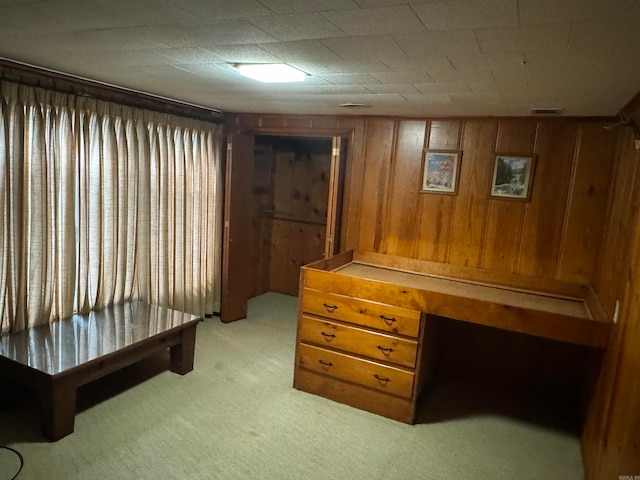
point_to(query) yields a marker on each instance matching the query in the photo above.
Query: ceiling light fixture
(271, 72)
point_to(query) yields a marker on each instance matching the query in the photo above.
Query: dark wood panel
(405, 187)
(544, 215)
(587, 204)
(293, 245)
(614, 419)
(505, 217)
(435, 211)
(444, 134)
(377, 167)
(468, 228)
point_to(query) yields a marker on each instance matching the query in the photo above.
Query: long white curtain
(101, 203)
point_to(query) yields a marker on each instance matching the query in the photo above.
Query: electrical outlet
(615, 313)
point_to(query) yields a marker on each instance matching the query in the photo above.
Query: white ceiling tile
(386, 3)
(359, 48)
(357, 66)
(190, 55)
(344, 89)
(433, 87)
(296, 6)
(220, 9)
(349, 79)
(416, 64)
(524, 39)
(244, 54)
(303, 51)
(621, 35)
(228, 32)
(438, 43)
(143, 12)
(67, 15)
(427, 98)
(376, 21)
(580, 55)
(399, 88)
(467, 14)
(123, 57)
(305, 26)
(402, 77)
(553, 11)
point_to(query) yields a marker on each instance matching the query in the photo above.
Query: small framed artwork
(512, 176)
(440, 171)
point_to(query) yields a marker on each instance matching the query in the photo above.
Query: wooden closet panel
(404, 190)
(377, 170)
(468, 227)
(435, 209)
(293, 245)
(587, 204)
(545, 213)
(505, 217)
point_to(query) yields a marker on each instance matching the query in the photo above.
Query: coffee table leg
(182, 353)
(58, 407)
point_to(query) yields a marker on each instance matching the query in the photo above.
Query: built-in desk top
(549, 309)
(574, 307)
(63, 345)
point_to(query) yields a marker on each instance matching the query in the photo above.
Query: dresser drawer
(364, 372)
(362, 312)
(378, 346)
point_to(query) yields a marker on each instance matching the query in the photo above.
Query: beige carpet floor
(236, 416)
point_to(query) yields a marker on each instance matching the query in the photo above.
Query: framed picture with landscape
(440, 171)
(512, 176)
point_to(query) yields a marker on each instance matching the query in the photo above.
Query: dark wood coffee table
(55, 359)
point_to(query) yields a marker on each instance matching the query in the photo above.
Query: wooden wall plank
(377, 167)
(505, 217)
(404, 190)
(436, 210)
(544, 215)
(468, 228)
(587, 204)
(619, 219)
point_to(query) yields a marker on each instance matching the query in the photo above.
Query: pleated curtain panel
(101, 203)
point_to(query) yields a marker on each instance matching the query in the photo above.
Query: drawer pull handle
(388, 320)
(330, 308)
(325, 364)
(385, 351)
(382, 380)
(328, 336)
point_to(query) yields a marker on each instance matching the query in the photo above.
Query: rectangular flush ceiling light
(271, 72)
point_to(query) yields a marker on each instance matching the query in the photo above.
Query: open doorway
(290, 198)
(283, 204)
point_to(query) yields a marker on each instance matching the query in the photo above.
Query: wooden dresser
(366, 323)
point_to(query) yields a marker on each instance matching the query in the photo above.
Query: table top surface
(491, 293)
(65, 344)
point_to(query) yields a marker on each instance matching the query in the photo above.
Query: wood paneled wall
(611, 441)
(556, 234)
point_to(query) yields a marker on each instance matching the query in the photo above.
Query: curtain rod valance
(60, 82)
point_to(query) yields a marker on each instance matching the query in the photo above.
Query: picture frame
(440, 171)
(512, 176)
